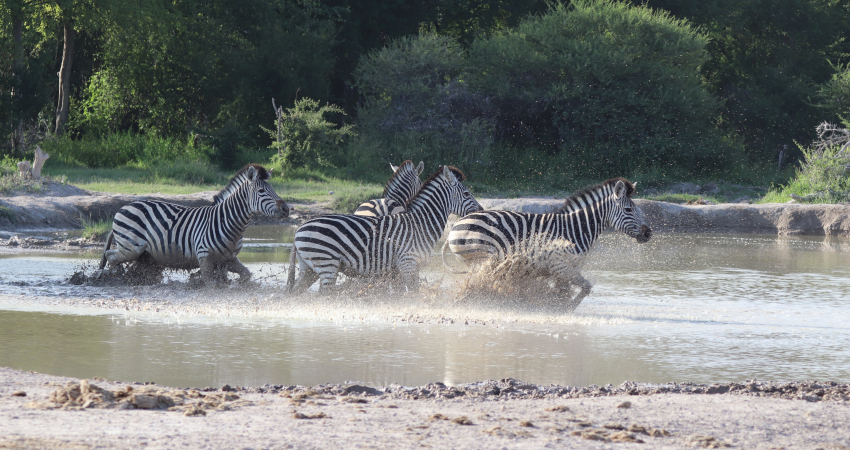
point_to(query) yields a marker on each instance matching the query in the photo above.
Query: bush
(603, 86)
(302, 136)
(824, 174)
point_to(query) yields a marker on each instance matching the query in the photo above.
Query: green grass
(96, 230)
(301, 186)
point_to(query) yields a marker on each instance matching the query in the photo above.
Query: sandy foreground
(471, 416)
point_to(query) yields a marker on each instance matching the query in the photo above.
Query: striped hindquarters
(379, 207)
(365, 244)
(490, 233)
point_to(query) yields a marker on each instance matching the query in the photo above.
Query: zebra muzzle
(645, 234)
(282, 208)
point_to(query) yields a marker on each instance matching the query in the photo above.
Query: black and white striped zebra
(182, 237)
(580, 221)
(399, 244)
(400, 188)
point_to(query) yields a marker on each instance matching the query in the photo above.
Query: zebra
(400, 188)
(183, 237)
(496, 234)
(395, 245)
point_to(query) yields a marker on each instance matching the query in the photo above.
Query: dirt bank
(62, 206)
(775, 218)
(349, 416)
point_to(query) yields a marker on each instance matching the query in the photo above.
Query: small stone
(462, 420)
(308, 416)
(438, 416)
(193, 411)
(330, 192)
(623, 436)
(614, 426)
(19, 394)
(658, 432)
(559, 408)
(635, 428)
(226, 388)
(526, 423)
(625, 405)
(584, 424)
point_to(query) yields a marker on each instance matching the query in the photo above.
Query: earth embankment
(63, 206)
(785, 219)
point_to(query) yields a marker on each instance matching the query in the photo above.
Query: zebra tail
(293, 259)
(443, 256)
(105, 248)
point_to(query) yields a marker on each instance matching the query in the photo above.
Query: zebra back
(379, 207)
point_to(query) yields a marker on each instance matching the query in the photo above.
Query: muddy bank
(62, 206)
(784, 219)
(42, 411)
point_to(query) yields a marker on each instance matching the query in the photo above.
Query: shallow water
(700, 308)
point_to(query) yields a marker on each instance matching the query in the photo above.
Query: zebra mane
(457, 173)
(395, 179)
(237, 181)
(630, 189)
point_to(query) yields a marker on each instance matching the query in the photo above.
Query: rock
(19, 394)
(193, 411)
(330, 192)
(613, 426)
(625, 405)
(526, 423)
(706, 442)
(358, 389)
(226, 388)
(462, 420)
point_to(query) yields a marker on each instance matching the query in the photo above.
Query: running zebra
(401, 187)
(579, 222)
(182, 237)
(379, 246)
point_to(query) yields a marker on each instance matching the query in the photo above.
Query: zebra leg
(306, 276)
(236, 266)
(327, 274)
(585, 286)
(209, 271)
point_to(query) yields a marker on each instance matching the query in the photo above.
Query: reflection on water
(701, 308)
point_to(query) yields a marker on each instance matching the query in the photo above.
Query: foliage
(96, 230)
(304, 138)
(824, 174)
(614, 87)
(835, 94)
(118, 149)
(767, 62)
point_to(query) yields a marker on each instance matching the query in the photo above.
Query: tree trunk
(38, 162)
(18, 39)
(65, 79)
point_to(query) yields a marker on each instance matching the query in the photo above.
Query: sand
(351, 420)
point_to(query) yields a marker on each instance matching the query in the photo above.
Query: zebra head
(261, 196)
(624, 215)
(405, 182)
(459, 200)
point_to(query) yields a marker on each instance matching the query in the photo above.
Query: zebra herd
(390, 238)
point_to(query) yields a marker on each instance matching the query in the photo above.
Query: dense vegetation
(522, 94)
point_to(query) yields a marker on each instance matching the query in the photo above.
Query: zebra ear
(449, 175)
(420, 168)
(252, 173)
(395, 168)
(619, 189)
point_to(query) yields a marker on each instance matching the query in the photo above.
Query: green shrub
(96, 230)
(303, 137)
(824, 174)
(601, 86)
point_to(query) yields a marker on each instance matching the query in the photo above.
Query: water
(699, 308)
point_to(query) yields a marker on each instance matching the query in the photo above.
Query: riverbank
(495, 414)
(62, 206)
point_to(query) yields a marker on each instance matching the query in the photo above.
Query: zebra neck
(585, 219)
(430, 215)
(234, 213)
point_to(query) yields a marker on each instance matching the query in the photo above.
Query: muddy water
(700, 308)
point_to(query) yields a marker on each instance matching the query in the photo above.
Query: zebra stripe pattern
(380, 246)
(580, 221)
(182, 237)
(573, 229)
(400, 188)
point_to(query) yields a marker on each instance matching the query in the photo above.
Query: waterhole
(686, 308)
